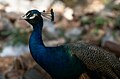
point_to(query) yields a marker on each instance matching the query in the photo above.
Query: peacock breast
(60, 65)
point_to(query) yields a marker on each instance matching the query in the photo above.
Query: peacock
(69, 61)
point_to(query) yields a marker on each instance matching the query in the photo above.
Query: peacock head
(34, 16)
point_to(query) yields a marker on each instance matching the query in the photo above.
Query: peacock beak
(23, 17)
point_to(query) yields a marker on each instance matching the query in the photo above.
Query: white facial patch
(32, 17)
(28, 14)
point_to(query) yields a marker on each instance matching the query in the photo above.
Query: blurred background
(94, 21)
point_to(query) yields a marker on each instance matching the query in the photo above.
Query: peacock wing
(96, 58)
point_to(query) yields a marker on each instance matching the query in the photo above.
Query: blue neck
(37, 33)
(36, 42)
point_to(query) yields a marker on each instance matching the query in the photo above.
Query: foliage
(19, 36)
(100, 21)
(113, 6)
(73, 3)
(85, 20)
(117, 22)
(5, 33)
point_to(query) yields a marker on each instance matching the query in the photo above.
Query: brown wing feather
(96, 58)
